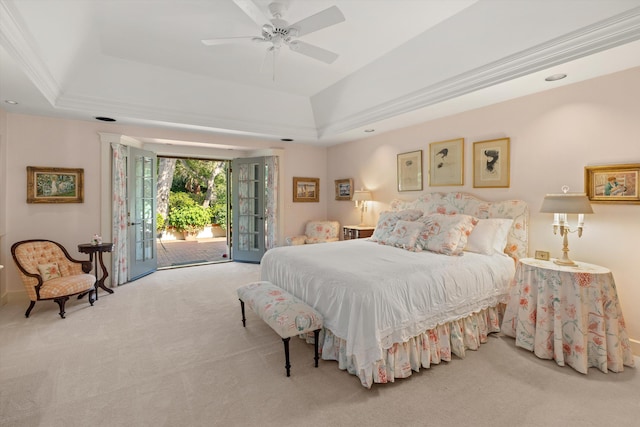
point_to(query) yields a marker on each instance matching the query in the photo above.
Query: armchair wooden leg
(29, 309)
(61, 301)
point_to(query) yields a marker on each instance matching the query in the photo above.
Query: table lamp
(560, 205)
(361, 197)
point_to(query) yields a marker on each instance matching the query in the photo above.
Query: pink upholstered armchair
(49, 273)
(317, 232)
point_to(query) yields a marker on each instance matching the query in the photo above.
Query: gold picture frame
(491, 163)
(306, 189)
(55, 185)
(410, 171)
(446, 163)
(613, 183)
(344, 189)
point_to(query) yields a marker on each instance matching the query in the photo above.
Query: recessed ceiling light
(286, 139)
(105, 119)
(11, 101)
(369, 130)
(555, 77)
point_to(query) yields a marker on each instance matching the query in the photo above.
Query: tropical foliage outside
(191, 194)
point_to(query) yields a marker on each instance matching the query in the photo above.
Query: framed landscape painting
(306, 189)
(344, 189)
(55, 185)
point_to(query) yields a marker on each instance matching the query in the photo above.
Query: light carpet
(170, 350)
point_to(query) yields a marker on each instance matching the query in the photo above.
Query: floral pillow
(489, 236)
(405, 235)
(49, 271)
(445, 234)
(388, 220)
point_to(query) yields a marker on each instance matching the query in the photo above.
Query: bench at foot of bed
(284, 313)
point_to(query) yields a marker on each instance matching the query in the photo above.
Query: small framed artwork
(306, 189)
(491, 163)
(55, 185)
(612, 183)
(446, 163)
(410, 171)
(344, 189)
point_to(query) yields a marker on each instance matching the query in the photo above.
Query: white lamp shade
(576, 203)
(361, 196)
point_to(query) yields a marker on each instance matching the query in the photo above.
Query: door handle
(135, 223)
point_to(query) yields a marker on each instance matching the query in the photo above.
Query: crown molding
(184, 119)
(615, 31)
(20, 45)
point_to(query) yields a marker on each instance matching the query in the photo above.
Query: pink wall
(554, 135)
(44, 141)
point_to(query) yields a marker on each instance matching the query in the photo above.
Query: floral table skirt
(569, 314)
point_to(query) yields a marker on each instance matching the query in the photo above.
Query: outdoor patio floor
(178, 253)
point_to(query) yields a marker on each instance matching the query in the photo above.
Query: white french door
(141, 212)
(247, 209)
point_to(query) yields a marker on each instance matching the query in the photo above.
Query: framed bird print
(491, 163)
(446, 163)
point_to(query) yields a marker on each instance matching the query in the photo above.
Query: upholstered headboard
(448, 203)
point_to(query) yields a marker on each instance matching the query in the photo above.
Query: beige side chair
(317, 232)
(48, 272)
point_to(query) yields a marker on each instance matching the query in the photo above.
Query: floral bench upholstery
(317, 232)
(284, 313)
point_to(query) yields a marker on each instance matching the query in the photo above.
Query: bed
(392, 304)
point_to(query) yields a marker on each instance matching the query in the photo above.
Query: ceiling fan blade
(312, 51)
(227, 40)
(320, 20)
(252, 11)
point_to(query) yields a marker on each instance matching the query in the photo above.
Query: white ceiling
(400, 61)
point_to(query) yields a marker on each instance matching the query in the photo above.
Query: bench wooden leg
(316, 335)
(286, 355)
(244, 320)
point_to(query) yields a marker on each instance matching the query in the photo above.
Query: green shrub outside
(218, 214)
(159, 222)
(187, 214)
(178, 199)
(189, 219)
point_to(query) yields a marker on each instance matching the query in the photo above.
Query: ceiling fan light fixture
(267, 30)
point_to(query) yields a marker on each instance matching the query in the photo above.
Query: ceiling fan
(279, 32)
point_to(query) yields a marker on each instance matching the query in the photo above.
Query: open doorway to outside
(192, 217)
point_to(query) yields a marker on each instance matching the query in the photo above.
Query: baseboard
(19, 296)
(4, 299)
(635, 347)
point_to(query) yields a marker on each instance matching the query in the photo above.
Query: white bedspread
(373, 295)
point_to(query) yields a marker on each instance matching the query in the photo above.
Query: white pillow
(489, 236)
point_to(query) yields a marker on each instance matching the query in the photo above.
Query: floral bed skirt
(430, 347)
